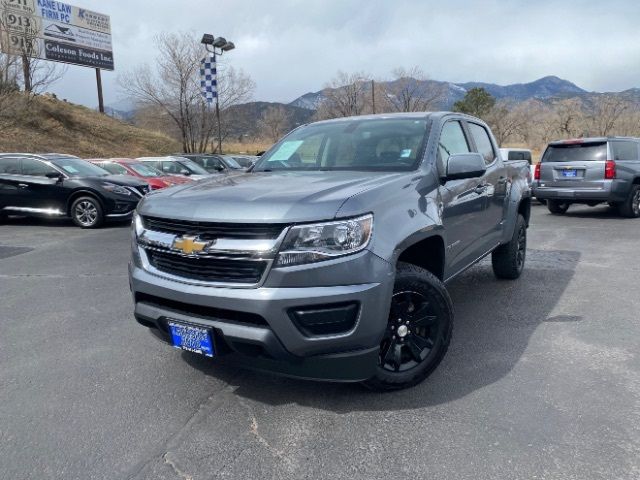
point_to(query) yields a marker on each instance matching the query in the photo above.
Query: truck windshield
(388, 144)
(579, 152)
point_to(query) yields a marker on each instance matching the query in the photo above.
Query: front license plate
(570, 173)
(192, 339)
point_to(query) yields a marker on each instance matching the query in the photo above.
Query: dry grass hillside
(43, 124)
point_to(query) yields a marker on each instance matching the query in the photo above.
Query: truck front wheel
(418, 330)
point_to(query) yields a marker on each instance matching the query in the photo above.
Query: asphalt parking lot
(542, 379)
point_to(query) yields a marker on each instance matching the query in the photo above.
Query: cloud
(290, 47)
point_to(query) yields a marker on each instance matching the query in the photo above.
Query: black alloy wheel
(418, 330)
(411, 334)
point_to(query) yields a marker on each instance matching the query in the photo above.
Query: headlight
(113, 188)
(323, 241)
(137, 228)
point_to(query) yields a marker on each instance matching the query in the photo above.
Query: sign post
(55, 31)
(100, 99)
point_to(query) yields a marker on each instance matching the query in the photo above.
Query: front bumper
(254, 326)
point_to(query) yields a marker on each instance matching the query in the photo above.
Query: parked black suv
(62, 185)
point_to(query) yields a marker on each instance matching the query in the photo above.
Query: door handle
(23, 185)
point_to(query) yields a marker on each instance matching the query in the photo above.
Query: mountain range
(301, 109)
(543, 88)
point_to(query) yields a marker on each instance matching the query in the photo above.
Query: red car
(127, 166)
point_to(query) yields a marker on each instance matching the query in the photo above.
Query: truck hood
(263, 196)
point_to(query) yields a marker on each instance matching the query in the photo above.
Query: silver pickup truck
(590, 171)
(329, 259)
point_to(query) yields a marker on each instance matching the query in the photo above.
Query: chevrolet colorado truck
(329, 259)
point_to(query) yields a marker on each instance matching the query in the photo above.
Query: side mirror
(184, 171)
(219, 168)
(54, 175)
(465, 165)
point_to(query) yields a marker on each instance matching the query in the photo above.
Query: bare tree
(346, 95)
(275, 122)
(507, 121)
(569, 118)
(410, 91)
(39, 75)
(607, 110)
(35, 75)
(173, 86)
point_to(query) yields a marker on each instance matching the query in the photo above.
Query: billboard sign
(56, 31)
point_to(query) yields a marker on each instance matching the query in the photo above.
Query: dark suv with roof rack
(590, 171)
(56, 185)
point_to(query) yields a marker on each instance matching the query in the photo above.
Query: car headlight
(323, 241)
(113, 188)
(137, 228)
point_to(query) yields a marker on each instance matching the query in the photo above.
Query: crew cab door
(463, 203)
(493, 186)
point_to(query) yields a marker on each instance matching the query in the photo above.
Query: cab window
(452, 141)
(483, 142)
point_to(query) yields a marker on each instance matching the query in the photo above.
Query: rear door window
(483, 142)
(578, 152)
(10, 166)
(35, 168)
(624, 150)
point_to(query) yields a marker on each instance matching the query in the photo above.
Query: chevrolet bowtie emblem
(189, 245)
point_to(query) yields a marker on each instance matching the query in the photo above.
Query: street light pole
(217, 46)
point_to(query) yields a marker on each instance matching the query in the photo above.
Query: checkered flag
(208, 80)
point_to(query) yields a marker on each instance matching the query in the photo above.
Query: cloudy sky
(290, 47)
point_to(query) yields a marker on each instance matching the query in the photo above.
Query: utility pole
(373, 95)
(26, 72)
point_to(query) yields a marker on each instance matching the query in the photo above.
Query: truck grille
(208, 230)
(208, 269)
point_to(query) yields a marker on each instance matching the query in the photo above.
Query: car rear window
(519, 155)
(576, 152)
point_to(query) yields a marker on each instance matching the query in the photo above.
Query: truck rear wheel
(630, 208)
(558, 208)
(508, 260)
(418, 331)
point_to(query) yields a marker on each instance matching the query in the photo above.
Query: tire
(558, 208)
(86, 212)
(508, 260)
(418, 331)
(630, 208)
(3, 217)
